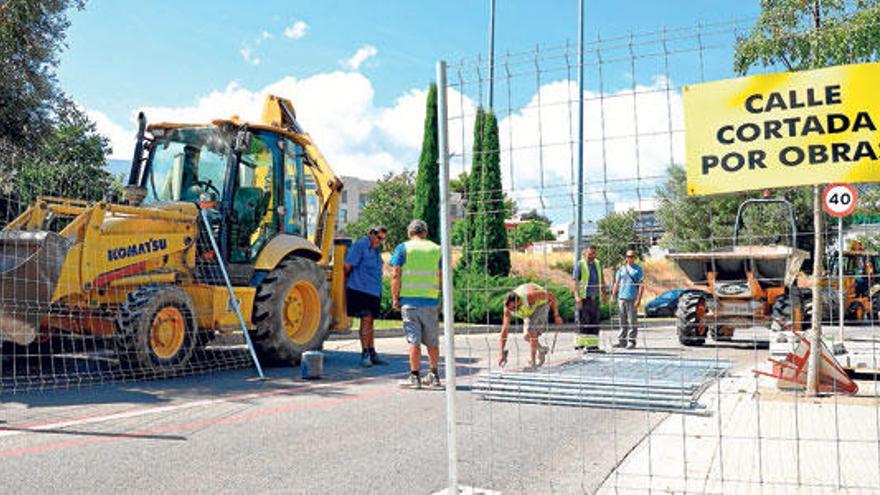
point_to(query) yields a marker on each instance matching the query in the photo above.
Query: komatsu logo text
(150, 246)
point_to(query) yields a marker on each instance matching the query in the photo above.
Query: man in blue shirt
(363, 271)
(628, 289)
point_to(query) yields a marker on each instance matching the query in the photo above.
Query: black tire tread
(686, 320)
(269, 337)
(133, 323)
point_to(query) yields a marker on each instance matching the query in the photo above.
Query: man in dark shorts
(363, 271)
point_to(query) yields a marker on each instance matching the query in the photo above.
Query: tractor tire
(291, 312)
(781, 310)
(156, 330)
(688, 316)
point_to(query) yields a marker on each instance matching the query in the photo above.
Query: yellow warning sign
(785, 129)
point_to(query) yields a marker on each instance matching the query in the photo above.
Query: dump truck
(747, 286)
(142, 276)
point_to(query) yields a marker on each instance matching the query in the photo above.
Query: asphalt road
(355, 431)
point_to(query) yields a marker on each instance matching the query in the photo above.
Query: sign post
(839, 200)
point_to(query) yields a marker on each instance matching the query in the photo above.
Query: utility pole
(579, 214)
(491, 53)
(818, 259)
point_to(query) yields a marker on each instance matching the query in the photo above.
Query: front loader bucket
(30, 265)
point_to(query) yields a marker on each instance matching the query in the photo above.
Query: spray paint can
(312, 365)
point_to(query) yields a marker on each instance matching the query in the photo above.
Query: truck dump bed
(769, 262)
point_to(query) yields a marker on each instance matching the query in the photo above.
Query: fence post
(448, 311)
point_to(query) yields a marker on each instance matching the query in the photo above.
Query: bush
(566, 265)
(479, 298)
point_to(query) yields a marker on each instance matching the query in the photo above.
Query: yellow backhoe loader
(140, 275)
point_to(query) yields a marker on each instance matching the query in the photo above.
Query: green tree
(808, 34)
(70, 162)
(534, 215)
(32, 35)
(47, 145)
(700, 223)
(458, 184)
(784, 34)
(529, 232)
(614, 235)
(390, 204)
(473, 190)
(427, 202)
(490, 251)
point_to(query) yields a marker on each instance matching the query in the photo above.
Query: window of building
(343, 215)
(362, 199)
(344, 196)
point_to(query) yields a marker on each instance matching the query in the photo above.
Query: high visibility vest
(585, 276)
(420, 275)
(526, 308)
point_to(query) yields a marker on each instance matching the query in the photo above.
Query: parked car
(665, 303)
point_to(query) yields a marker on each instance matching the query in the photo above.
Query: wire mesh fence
(677, 280)
(98, 284)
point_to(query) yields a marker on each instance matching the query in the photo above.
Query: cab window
(255, 199)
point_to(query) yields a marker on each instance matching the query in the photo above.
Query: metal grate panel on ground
(654, 382)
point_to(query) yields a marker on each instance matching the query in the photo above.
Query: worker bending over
(531, 303)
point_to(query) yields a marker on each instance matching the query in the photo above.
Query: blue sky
(189, 59)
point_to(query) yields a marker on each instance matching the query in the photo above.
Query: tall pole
(579, 214)
(818, 266)
(840, 291)
(491, 53)
(448, 311)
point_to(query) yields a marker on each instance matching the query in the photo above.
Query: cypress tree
(472, 194)
(427, 204)
(490, 237)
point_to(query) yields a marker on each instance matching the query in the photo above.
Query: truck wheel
(291, 311)
(156, 329)
(689, 315)
(781, 310)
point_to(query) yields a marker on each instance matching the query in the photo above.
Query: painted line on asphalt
(14, 430)
(197, 424)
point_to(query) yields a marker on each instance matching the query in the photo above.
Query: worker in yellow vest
(589, 290)
(531, 303)
(415, 291)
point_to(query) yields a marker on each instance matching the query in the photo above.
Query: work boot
(542, 355)
(375, 359)
(619, 345)
(632, 345)
(412, 381)
(366, 362)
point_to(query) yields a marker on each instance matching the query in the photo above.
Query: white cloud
(248, 56)
(622, 151)
(121, 139)
(337, 109)
(296, 30)
(360, 56)
(265, 35)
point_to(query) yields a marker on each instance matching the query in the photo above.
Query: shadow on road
(241, 385)
(80, 433)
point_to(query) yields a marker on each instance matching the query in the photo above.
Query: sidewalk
(760, 439)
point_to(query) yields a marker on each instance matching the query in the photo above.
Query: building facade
(352, 199)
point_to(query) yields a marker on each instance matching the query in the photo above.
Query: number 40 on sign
(839, 200)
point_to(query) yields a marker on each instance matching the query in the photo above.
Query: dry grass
(661, 274)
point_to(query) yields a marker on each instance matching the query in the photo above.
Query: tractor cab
(860, 283)
(251, 182)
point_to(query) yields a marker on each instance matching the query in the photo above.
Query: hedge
(479, 298)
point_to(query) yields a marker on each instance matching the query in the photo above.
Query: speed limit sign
(839, 200)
